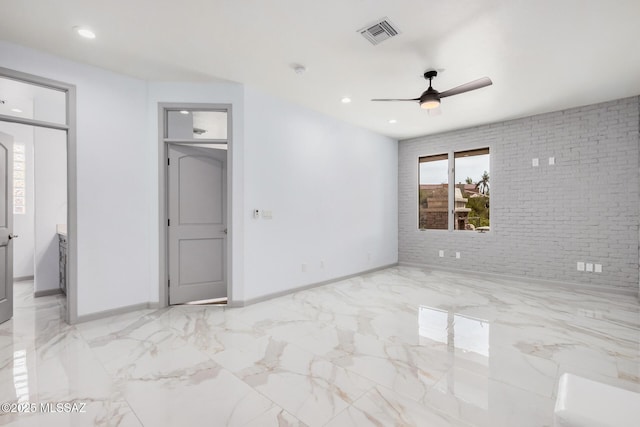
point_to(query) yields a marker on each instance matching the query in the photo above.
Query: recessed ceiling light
(346, 100)
(16, 110)
(184, 112)
(85, 32)
(393, 121)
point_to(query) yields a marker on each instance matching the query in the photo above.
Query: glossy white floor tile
(402, 346)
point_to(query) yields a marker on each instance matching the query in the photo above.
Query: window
(433, 192)
(471, 210)
(19, 164)
(195, 124)
(471, 191)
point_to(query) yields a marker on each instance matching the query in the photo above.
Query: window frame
(434, 158)
(451, 156)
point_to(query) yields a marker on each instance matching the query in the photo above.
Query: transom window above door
(196, 125)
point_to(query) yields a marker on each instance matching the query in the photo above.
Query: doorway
(194, 203)
(40, 115)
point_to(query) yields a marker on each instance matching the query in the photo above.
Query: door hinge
(168, 161)
(169, 283)
(168, 223)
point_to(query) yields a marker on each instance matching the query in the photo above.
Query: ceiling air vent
(380, 31)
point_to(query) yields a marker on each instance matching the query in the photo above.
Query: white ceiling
(542, 55)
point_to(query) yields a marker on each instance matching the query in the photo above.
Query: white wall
(332, 191)
(50, 182)
(332, 187)
(113, 166)
(23, 225)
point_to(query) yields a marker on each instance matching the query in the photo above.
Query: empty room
(295, 213)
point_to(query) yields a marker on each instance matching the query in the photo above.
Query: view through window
(433, 192)
(472, 190)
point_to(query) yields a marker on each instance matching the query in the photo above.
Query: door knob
(13, 236)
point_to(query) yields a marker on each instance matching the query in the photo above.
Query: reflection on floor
(402, 346)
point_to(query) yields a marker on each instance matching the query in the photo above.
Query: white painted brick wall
(543, 219)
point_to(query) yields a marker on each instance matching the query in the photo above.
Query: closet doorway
(195, 203)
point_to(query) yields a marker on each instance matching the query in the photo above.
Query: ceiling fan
(430, 98)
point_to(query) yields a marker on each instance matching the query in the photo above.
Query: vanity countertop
(61, 229)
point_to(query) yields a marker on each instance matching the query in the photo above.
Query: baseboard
(47, 292)
(267, 297)
(235, 304)
(22, 278)
(544, 282)
(116, 311)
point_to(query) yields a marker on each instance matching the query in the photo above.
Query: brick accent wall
(544, 219)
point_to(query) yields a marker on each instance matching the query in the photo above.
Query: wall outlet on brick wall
(441, 254)
(458, 255)
(580, 266)
(598, 268)
(589, 267)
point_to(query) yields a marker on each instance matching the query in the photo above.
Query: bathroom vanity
(61, 229)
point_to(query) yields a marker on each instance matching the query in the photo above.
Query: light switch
(441, 254)
(458, 255)
(534, 162)
(580, 266)
(589, 267)
(552, 161)
(267, 215)
(598, 268)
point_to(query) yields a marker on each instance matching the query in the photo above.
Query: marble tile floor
(398, 347)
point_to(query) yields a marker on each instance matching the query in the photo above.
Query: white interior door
(6, 224)
(197, 223)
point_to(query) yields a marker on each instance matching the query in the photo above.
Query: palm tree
(483, 184)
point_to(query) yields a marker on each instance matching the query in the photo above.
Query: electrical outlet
(552, 161)
(580, 266)
(534, 163)
(441, 254)
(256, 213)
(458, 255)
(598, 268)
(589, 267)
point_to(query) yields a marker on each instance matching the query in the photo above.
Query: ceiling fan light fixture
(430, 103)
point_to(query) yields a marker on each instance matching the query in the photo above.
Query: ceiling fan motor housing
(430, 98)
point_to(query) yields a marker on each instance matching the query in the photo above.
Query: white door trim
(163, 208)
(71, 316)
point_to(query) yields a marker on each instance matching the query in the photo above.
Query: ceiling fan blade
(414, 99)
(476, 84)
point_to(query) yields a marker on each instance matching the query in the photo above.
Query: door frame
(163, 188)
(71, 315)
